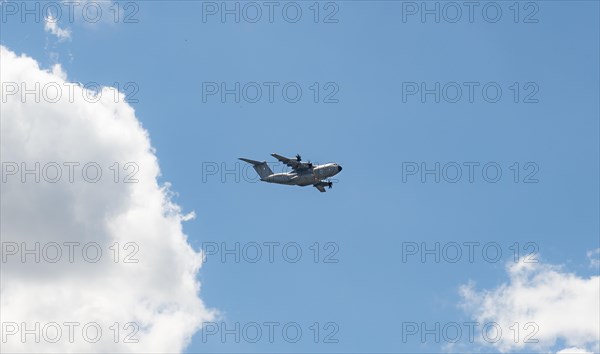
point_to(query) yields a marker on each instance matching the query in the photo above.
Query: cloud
(51, 26)
(561, 307)
(573, 350)
(155, 299)
(594, 258)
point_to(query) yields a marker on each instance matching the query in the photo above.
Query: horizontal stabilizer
(252, 161)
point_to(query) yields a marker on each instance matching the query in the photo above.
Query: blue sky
(370, 212)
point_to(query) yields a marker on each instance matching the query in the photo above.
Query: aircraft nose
(339, 168)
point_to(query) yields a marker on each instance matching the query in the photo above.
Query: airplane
(302, 174)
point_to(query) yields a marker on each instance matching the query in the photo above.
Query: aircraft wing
(293, 163)
(320, 188)
(290, 162)
(322, 184)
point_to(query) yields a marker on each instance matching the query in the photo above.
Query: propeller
(298, 157)
(329, 184)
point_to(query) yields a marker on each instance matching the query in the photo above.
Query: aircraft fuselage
(304, 178)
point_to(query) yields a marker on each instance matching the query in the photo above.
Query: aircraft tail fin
(261, 168)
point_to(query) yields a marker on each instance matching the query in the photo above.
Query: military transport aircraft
(302, 174)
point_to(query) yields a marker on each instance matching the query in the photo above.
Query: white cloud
(564, 307)
(51, 26)
(160, 293)
(594, 258)
(573, 350)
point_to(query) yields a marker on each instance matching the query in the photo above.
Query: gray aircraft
(302, 174)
